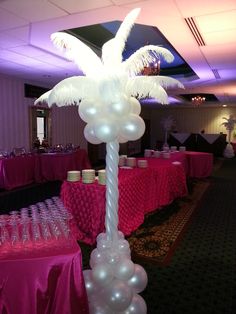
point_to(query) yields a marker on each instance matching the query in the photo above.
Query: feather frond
(43, 98)
(75, 50)
(144, 56)
(125, 27)
(71, 90)
(144, 87)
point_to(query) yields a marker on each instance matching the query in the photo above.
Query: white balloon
(139, 279)
(101, 235)
(132, 127)
(98, 306)
(137, 306)
(124, 269)
(95, 258)
(89, 282)
(89, 110)
(117, 295)
(123, 246)
(103, 244)
(119, 107)
(122, 139)
(112, 257)
(135, 106)
(106, 130)
(90, 135)
(102, 274)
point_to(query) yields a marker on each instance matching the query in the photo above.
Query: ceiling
(202, 33)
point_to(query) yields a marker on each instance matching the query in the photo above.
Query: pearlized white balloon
(123, 246)
(139, 279)
(90, 285)
(95, 258)
(102, 236)
(121, 139)
(112, 257)
(117, 295)
(90, 135)
(103, 244)
(132, 127)
(97, 306)
(124, 269)
(135, 106)
(89, 110)
(137, 306)
(106, 129)
(119, 107)
(102, 274)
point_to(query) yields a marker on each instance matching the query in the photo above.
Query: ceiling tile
(9, 20)
(224, 37)
(20, 33)
(7, 41)
(75, 6)
(33, 11)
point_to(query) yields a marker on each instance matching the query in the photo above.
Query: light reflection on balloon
(139, 279)
(132, 127)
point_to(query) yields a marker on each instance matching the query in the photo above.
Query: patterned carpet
(158, 237)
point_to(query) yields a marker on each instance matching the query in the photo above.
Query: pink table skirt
(46, 281)
(200, 164)
(196, 164)
(140, 191)
(54, 166)
(17, 171)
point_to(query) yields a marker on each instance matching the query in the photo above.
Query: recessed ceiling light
(224, 105)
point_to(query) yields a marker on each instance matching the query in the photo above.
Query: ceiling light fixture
(152, 69)
(198, 100)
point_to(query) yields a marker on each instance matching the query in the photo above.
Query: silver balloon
(124, 269)
(137, 306)
(117, 295)
(132, 127)
(90, 135)
(102, 274)
(139, 279)
(89, 282)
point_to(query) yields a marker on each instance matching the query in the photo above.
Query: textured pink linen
(54, 166)
(140, 191)
(16, 171)
(43, 281)
(200, 164)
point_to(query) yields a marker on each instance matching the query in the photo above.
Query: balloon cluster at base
(111, 117)
(114, 282)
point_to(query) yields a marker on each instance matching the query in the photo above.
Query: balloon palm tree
(229, 125)
(108, 102)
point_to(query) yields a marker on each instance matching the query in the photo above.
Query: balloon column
(108, 102)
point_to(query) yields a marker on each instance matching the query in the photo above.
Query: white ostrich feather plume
(43, 98)
(78, 52)
(144, 56)
(71, 91)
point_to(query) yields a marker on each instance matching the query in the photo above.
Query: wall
(191, 120)
(67, 127)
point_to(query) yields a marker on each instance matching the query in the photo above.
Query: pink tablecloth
(16, 171)
(200, 164)
(140, 191)
(43, 282)
(54, 166)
